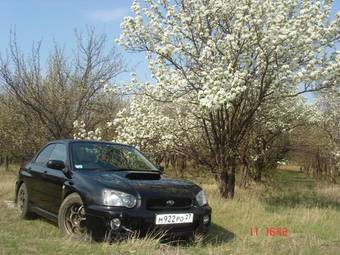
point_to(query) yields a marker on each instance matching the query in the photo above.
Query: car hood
(147, 184)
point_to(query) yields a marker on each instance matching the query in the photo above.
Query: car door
(54, 179)
(35, 184)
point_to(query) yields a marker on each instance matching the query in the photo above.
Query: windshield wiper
(126, 169)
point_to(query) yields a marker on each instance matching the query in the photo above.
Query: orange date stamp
(269, 231)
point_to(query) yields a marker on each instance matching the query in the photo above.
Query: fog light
(206, 219)
(115, 223)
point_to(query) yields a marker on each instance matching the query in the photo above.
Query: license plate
(174, 218)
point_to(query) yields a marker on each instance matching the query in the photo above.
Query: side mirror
(56, 164)
(161, 168)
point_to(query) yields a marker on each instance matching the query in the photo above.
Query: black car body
(55, 174)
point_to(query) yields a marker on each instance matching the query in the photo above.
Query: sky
(55, 20)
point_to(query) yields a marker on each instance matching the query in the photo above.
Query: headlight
(201, 198)
(118, 198)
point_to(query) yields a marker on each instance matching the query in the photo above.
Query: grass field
(309, 211)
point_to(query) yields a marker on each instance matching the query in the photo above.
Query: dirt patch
(9, 204)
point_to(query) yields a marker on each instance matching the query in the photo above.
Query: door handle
(44, 174)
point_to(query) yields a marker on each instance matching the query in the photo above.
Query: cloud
(109, 15)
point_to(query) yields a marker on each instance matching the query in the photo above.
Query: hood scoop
(143, 176)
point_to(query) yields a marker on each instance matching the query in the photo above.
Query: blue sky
(49, 20)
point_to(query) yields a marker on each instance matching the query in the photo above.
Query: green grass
(309, 211)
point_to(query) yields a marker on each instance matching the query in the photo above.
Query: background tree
(316, 147)
(267, 142)
(226, 59)
(40, 104)
(329, 102)
(168, 132)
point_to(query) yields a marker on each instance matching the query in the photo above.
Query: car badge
(170, 202)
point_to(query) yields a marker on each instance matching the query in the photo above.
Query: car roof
(68, 141)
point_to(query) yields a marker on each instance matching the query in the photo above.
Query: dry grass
(310, 211)
(290, 167)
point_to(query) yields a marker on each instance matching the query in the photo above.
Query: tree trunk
(227, 184)
(222, 182)
(259, 166)
(6, 163)
(318, 168)
(231, 186)
(333, 177)
(333, 171)
(258, 175)
(244, 177)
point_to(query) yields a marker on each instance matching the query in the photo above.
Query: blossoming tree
(227, 58)
(329, 103)
(267, 141)
(161, 129)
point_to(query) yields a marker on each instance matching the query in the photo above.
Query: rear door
(35, 184)
(54, 179)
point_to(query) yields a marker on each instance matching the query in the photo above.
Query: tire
(23, 207)
(71, 217)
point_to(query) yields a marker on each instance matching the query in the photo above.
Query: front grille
(169, 203)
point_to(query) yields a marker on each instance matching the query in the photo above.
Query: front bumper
(142, 221)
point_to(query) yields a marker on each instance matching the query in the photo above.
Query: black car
(103, 187)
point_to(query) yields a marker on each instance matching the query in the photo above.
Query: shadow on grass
(294, 189)
(218, 235)
(46, 220)
(295, 199)
(296, 180)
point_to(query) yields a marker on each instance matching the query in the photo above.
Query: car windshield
(106, 156)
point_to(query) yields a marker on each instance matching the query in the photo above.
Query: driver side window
(59, 153)
(44, 154)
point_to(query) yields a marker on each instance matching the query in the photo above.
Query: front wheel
(71, 217)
